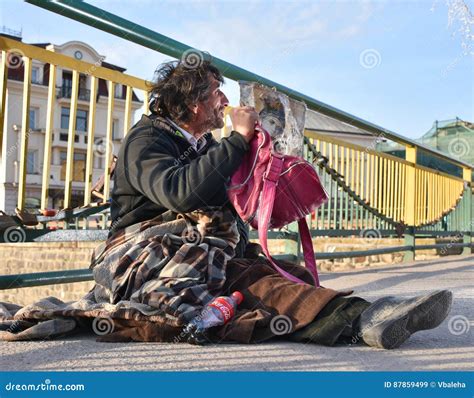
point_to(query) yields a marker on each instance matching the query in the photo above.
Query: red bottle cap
(238, 297)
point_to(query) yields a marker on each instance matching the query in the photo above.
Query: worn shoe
(389, 321)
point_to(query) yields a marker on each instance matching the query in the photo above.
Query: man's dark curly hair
(178, 86)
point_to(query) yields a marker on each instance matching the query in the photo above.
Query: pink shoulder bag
(270, 190)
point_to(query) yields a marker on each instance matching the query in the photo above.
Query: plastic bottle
(218, 312)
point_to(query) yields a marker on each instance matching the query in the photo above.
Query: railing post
(108, 139)
(410, 202)
(70, 140)
(3, 94)
(467, 233)
(25, 132)
(90, 142)
(48, 136)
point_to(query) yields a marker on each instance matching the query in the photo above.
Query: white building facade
(10, 156)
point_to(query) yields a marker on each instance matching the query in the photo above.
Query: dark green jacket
(158, 170)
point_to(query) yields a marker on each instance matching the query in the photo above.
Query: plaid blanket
(174, 264)
(162, 270)
(153, 277)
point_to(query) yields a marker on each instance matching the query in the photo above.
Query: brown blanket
(154, 277)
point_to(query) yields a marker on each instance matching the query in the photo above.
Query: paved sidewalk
(448, 347)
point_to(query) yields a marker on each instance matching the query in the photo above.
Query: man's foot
(389, 321)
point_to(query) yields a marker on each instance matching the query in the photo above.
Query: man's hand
(243, 121)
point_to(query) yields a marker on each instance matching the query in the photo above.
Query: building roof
(10, 37)
(454, 137)
(319, 122)
(18, 73)
(42, 45)
(113, 67)
(449, 127)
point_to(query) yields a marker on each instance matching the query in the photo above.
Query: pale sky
(398, 64)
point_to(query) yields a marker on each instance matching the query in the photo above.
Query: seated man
(171, 174)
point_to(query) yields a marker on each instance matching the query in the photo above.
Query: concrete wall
(22, 258)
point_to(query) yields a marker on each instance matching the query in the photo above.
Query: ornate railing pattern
(370, 189)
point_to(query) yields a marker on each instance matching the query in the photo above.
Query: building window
(35, 75)
(33, 117)
(32, 203)
(64, 118)
(118, 91)
(67, 79)
(65, 137)
(115, 129)
(81, 119)
(78, 167)
(84, 93)
(31, 160)
(66, 90)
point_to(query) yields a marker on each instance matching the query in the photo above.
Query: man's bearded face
(210, 113)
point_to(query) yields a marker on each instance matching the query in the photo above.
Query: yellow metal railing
(399, 189)
(436, 194)
(30, 53)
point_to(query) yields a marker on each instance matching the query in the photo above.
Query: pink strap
(308, 251)
(266, 207)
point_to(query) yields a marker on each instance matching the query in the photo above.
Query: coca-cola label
(226, 308)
